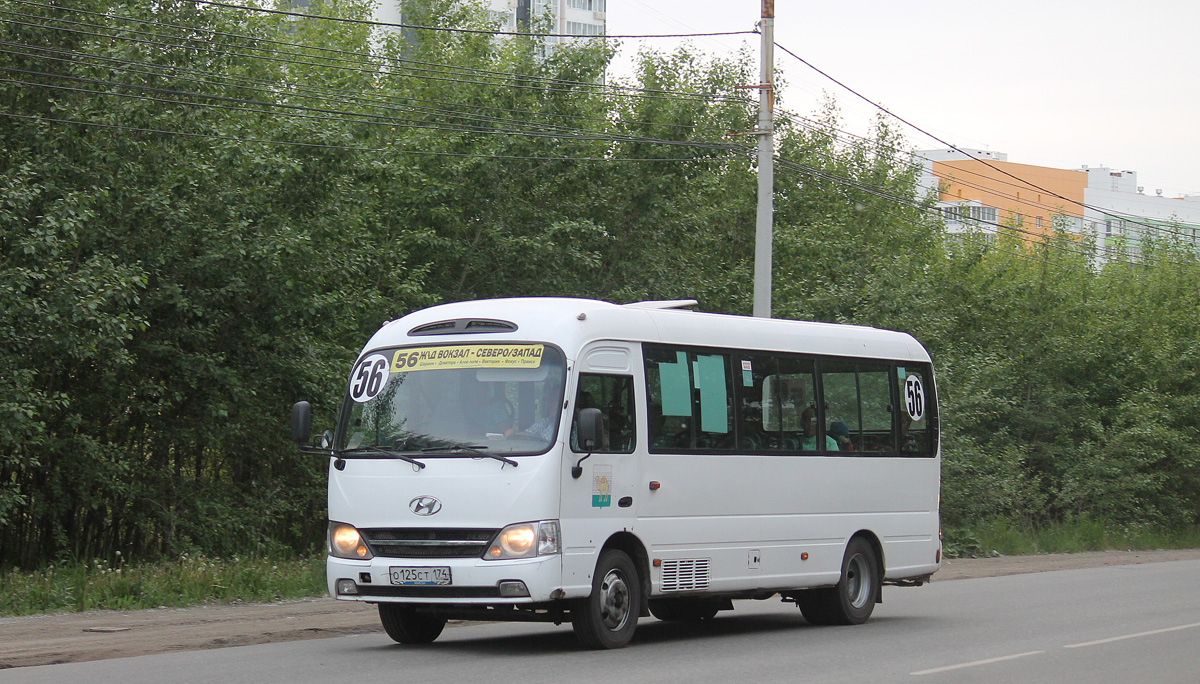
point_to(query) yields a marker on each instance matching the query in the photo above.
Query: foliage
(205, 210)
(189, 580)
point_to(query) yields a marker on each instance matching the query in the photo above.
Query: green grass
(188, 581)
(194, 580)
(1006, 538)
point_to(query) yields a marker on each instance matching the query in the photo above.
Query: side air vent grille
(463, 325)
(687, 574)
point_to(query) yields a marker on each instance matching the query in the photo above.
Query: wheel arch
(632, 546)
(877, 547)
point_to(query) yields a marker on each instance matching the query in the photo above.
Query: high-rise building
(982, 189)
(568, 17)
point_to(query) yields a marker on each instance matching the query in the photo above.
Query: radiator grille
(687, 574)
(428, 542)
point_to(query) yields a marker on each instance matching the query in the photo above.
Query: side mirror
(591, 428)
(589, 431)
(301, 422)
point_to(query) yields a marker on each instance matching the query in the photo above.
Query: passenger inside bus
(808, 419)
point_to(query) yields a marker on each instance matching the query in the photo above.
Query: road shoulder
(78, 637)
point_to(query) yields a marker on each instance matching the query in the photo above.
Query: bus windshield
(448, 400)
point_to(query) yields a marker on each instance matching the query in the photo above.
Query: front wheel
(608, 617)
(852, 601)
(406, 626)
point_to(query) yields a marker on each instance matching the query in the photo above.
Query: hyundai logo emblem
(424, 505)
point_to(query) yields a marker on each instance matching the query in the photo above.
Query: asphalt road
(1129, 623)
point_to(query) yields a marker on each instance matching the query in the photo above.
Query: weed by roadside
(187, 581)
(1002, 537)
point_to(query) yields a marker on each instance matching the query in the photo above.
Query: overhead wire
(444, 73)
(320, 94)
(358, 55)
(232, 103)
(833, 178)
(1052, 209)
(291, 143)
(950, 145)
(446, 29)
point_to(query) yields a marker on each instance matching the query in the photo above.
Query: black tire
(406, 626)
(608, 618)
(684, 610)
(852, 601)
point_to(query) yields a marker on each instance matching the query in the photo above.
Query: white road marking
(1133, 636)
(960, 666)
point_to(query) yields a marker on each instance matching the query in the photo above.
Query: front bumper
(474, 580)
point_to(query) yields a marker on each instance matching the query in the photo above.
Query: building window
(578, 28)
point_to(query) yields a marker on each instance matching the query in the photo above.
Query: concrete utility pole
(764, 225)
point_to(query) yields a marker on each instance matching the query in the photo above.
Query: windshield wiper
(382, 452)
(473, 449)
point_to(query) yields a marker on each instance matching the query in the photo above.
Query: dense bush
(248, 196)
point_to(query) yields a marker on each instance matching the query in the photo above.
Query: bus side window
(758, 391)
(918, 410)
(858, 406)
(690, 396)
(613, 395)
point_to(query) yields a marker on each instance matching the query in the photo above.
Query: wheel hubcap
(614, 601)
(858, 582)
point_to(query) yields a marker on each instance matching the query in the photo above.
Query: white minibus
(570, 460)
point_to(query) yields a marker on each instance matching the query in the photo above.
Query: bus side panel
(703, 522)
(819, 502)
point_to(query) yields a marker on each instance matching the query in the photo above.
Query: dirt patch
(76, 637)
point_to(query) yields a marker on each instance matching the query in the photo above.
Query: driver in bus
(490, 412)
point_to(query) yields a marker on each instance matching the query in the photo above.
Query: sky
(1059, 83)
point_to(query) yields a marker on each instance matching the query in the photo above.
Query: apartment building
(982, 189)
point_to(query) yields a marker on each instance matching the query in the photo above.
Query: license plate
(419, 576)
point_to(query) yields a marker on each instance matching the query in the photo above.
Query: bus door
(604, 498)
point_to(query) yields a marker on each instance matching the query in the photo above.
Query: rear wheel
(852, 601)
(684, 610)
(608, 617)
(406, 626)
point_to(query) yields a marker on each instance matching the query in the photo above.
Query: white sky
(1057, 83)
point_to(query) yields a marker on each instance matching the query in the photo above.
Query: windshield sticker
(368, 377)
(601, 486)
(469, 356)
(914, 398)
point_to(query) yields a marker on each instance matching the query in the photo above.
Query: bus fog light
(513, 588)
(347, 586)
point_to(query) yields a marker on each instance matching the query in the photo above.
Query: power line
(225, 102)
(291, 143)
(322, 94)
(370, 22)
(951, 146)
(319, 48)
(430, 74)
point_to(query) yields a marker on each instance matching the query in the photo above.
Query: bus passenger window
(917, 413)
(613, 395)
(757, 403)
(690, 396)
(858, 406)
(788, 393)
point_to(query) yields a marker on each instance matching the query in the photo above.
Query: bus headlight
(345, 542)
(525, 540)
